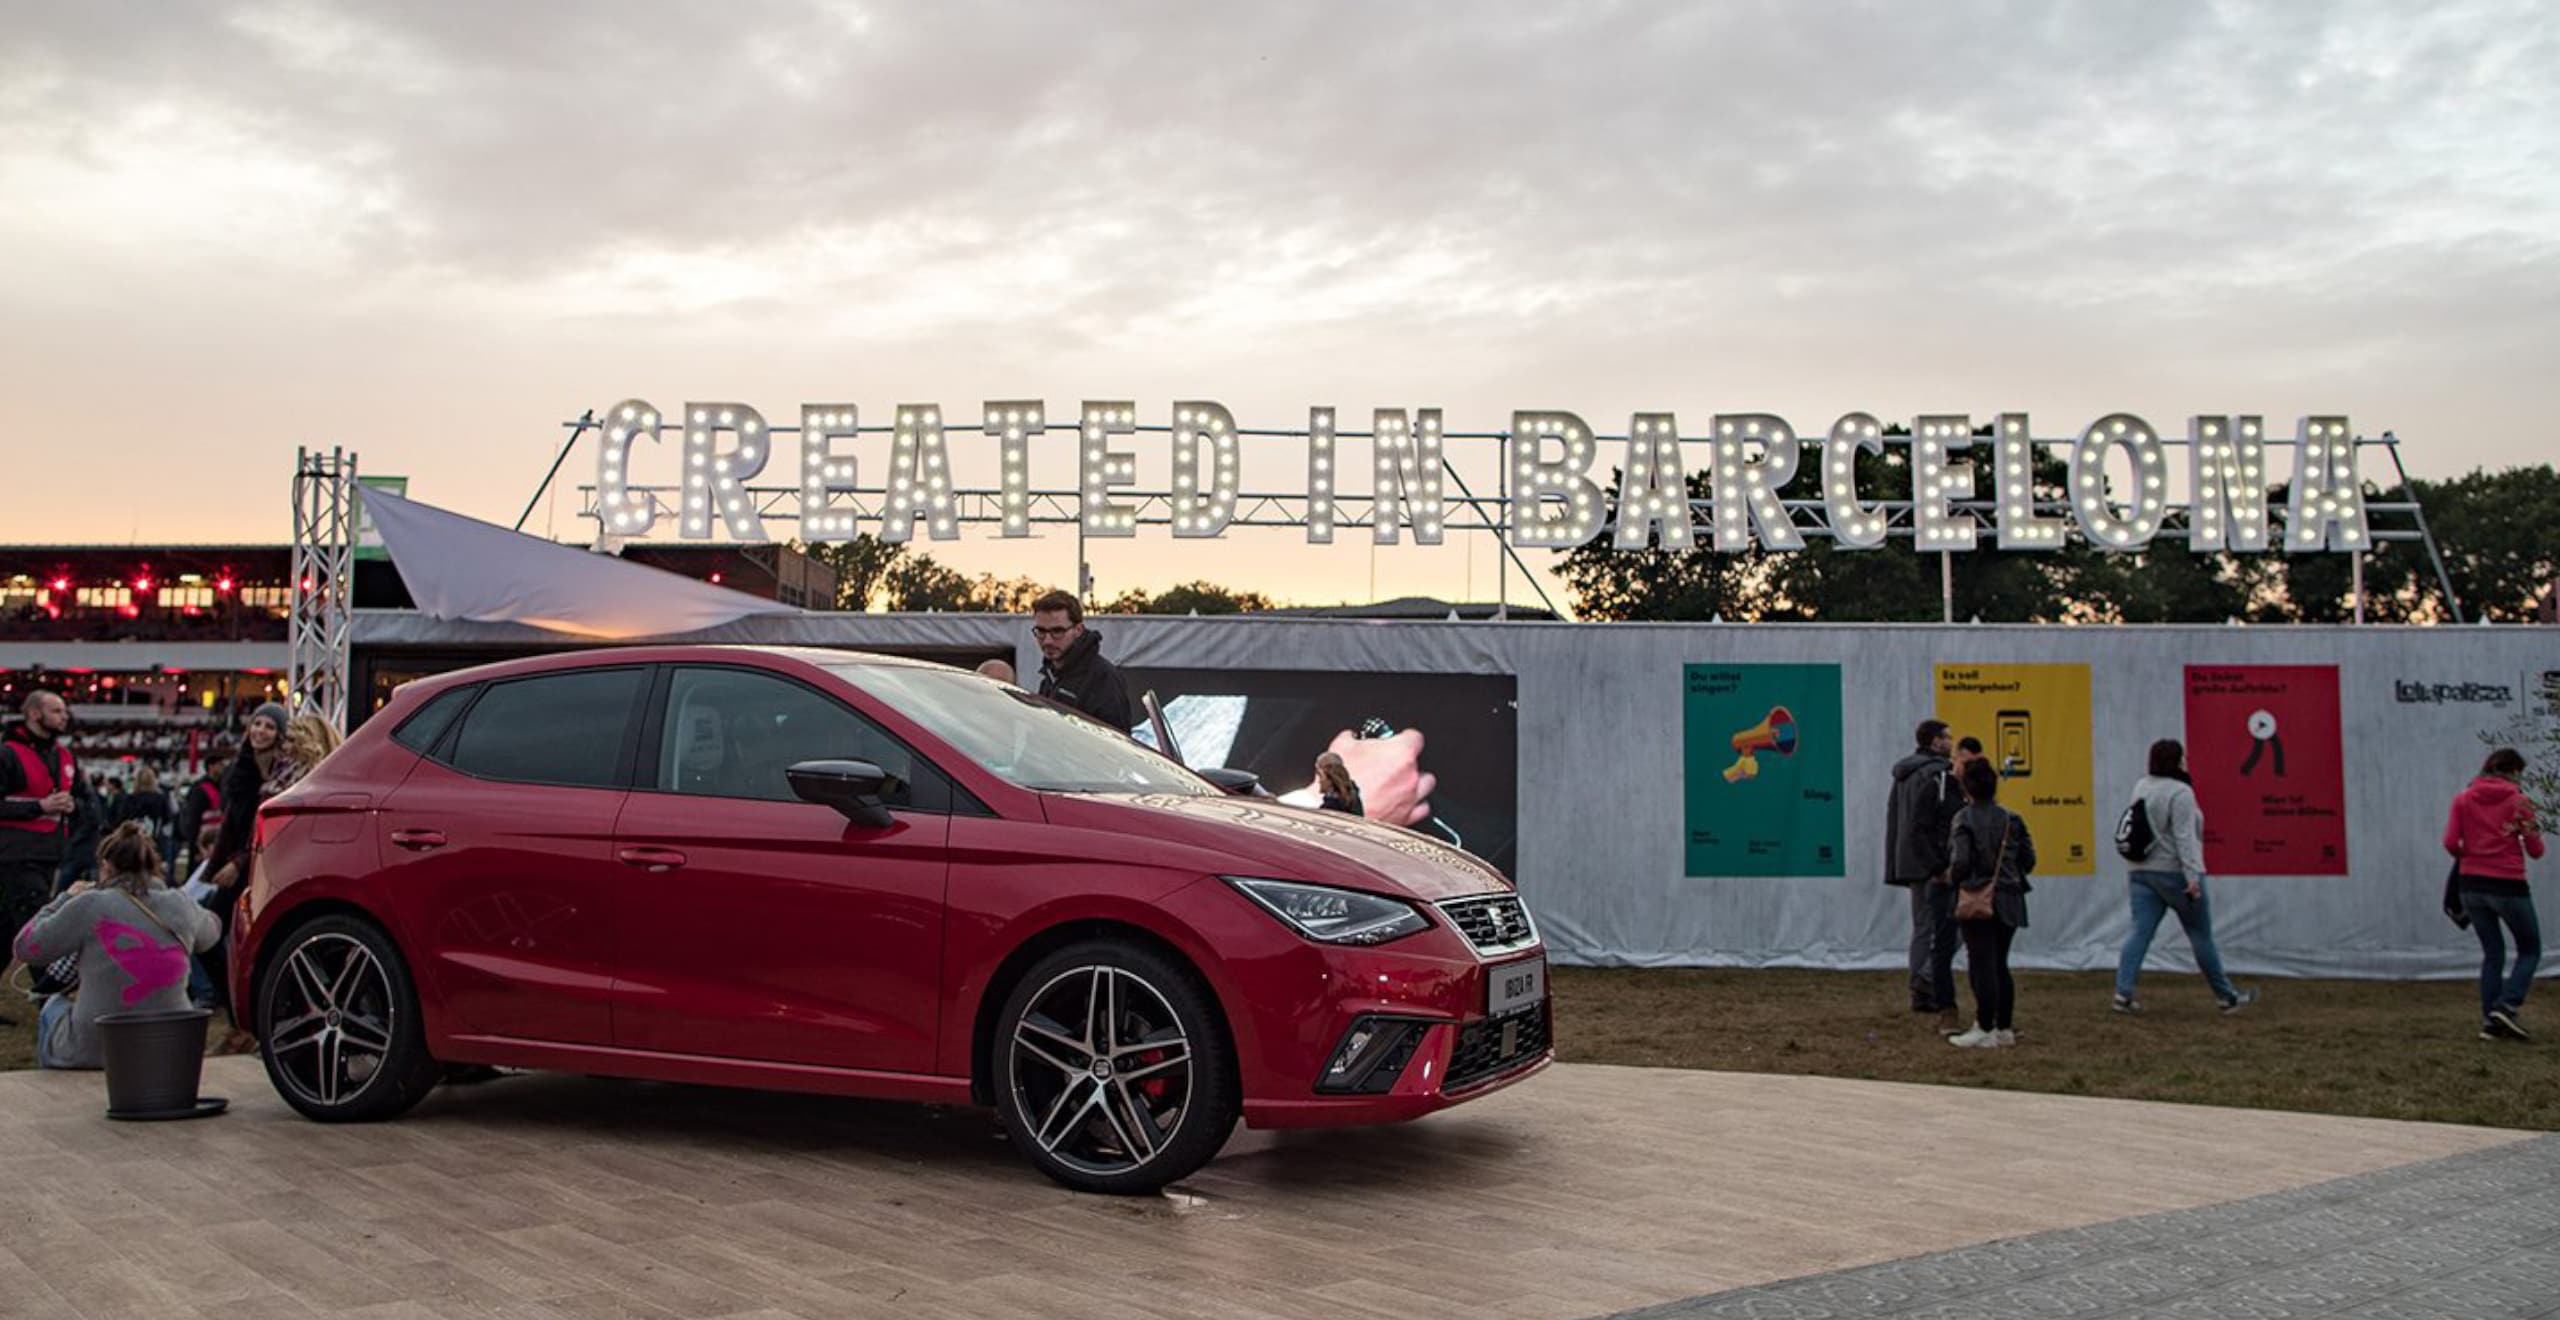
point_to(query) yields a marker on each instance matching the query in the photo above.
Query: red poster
(2269, 766)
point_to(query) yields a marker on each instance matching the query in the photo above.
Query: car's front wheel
(1112, 1071)
(338, 1024)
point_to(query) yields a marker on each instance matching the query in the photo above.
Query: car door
(758, 926)
(499, 853)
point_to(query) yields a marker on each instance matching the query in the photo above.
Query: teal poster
(1761, 754)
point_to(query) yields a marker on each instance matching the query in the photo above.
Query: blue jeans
(2148, 908)
(2505, 990)
(50, 1016)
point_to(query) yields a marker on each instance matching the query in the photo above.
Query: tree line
(876, 574)
(2498, 532)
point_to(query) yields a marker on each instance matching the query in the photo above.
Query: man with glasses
(1072, 670)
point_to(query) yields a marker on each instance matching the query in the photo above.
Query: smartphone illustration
(2013, 737)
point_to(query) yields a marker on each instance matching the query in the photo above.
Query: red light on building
(61, 584)
(143, 583)
(224, 584)
(715, 577)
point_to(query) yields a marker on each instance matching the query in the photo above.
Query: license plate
(1514, 987)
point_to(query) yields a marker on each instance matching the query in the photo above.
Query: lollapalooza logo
(2118, 492)
(2479, 694)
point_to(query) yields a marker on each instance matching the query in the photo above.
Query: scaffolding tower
(324, 566)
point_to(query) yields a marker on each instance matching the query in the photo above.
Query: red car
(816, 871)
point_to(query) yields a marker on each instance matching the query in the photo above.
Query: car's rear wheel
(338, 1024)
(1113, 1073)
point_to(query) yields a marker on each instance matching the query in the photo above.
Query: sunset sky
(433, 232)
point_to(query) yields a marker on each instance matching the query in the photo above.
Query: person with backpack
(2162, 834)
(132, 935)
(1989, 856)
(2490, 831)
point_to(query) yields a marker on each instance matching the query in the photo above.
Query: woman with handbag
(132, 934)
(2168, 876)
(2490, 832)
(1990, 855)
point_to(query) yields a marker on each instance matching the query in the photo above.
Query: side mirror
(853, 788)
(1234, 783)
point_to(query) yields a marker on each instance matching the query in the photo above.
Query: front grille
(1480, 1053)
(1493, 923)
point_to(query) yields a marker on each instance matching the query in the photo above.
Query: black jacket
(1923, 805)
(1989, 844)
(29, 845)
(243, 788)
(150, 808)
(1083, 679)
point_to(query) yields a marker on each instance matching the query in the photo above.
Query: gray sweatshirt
(133, 958)
(2177, 827)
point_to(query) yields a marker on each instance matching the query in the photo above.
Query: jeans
(1986, 955)
(2505, 991)
(2148, 907)
(50, 1015)
(1933, 946)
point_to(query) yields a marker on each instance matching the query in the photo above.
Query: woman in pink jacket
(2490, 832)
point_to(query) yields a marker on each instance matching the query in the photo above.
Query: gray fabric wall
(1600, 769)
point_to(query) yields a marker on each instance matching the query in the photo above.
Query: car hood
(1265, 838)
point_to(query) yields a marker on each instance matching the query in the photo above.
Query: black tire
(370, 1031)
(1048, 1105)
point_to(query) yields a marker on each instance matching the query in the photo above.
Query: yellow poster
(2034, 724)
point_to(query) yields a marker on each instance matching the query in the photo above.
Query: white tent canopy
(462, 568)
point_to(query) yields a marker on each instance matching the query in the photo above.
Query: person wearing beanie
(243, 790)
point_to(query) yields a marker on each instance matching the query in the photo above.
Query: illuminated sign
(2121, 492)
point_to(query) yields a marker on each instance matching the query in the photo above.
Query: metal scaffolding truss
(324, 560)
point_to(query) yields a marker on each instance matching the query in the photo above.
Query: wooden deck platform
(1587, 1190)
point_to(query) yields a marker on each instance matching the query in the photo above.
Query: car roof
(650, 655)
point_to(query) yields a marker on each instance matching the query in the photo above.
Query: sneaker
(2240, 999)
(2004, 1038)
(2126, 1004)
(1974, 1038)
(2503, 1020)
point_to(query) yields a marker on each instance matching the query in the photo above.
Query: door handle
(651, 859)
(418, 840)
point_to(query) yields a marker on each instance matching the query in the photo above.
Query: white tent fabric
(462, 568)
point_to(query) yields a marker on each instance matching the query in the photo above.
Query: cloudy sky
(432, 232)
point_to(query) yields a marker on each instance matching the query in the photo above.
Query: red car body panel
(768, 944)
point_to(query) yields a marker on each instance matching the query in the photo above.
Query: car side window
(736, 733)
(565, 729)
(420, 731)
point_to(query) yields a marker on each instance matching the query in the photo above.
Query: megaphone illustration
(1777, 733)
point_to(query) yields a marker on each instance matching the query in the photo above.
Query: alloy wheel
(1102, 1072)
(330, 1019)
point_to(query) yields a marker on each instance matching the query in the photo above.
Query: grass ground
(2375, 1048)
(2381, 1049)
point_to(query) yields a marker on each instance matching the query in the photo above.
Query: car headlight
(1333, 916)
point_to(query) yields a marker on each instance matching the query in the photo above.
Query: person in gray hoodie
(2169, 877)
(134, 935)
(1923, 803)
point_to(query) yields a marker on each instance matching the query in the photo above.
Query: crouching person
(135, 937)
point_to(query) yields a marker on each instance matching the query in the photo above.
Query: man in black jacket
(1072, 670)
(1919, 816)
(41, 791)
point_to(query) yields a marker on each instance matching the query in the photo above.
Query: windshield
(1021, 738)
